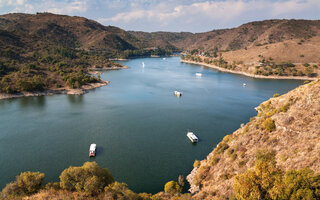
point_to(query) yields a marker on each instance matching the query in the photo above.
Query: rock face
(288, 125)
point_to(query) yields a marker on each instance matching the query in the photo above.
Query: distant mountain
(73, 32)
(252, 34)
(78, 32)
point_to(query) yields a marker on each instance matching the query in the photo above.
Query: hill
(286, 125)
(46, 53)
(252, 34)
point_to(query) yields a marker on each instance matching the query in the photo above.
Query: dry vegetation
(294, 137)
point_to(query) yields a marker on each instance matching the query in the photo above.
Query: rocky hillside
(287, 125)
(74, 32)
(252, 34)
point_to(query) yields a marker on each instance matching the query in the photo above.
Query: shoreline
(85, 89)
(93, 70)
(248, 74)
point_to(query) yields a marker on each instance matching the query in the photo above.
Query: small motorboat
(143, 64)
(178, 94)
(192, 137)
(244, 84)
(92, 150)
(198, 74)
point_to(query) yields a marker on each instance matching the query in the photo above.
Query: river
(138, 124)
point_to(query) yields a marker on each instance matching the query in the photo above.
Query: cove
(139, 126)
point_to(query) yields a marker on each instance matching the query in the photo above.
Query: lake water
(138, 124)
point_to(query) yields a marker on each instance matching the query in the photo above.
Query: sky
(170, 15)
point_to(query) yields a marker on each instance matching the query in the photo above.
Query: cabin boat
(178, 94)
(192, 137)
(198, 74)
(92, 150)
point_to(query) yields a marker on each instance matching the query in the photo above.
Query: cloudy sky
(171, 15)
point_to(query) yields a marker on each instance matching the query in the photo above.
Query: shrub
(119, 191)
(30, 182)
(215, 160)
(27, 183)
(11, 190)
(89, 178)
(181, 180)
(269, 125)
(54, 185)
(196, 164)
(256, 184)
(300, 184)
(222, 147)
(172, 187)
(234, 157)
(276, 95)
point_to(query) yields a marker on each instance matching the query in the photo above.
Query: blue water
(138, 124)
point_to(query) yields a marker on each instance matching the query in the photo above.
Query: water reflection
(34, 102)
(75, 99)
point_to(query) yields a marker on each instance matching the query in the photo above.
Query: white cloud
(57, 7)
(217, 13)
(11, 2)
(68, 8)
(171, 15)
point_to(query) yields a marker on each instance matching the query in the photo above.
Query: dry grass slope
(295, 140)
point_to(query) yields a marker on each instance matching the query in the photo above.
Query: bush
(267, 181)
(54, 185)
(196, 164)
(300, 184)
(222, 147)
(276, 95)
(89, 178)
(11, 190)
(172, 187)
(27, 183)
(269, 125)
(181, 180)
(30, 182)
(119, 191)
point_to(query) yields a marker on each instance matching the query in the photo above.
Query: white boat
(178, 94)
(244, 84)
(192, 137)
(143, 64)
(198, 74)
(92, 150)
(163, 58)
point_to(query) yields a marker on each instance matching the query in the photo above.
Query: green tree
(267, 181)
(26, 183)
(86, 177)
(30, 182)
(172, 187)
(297, 184)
